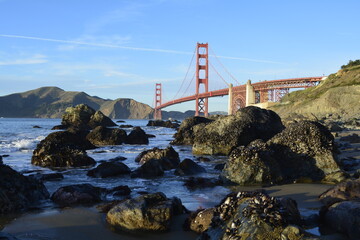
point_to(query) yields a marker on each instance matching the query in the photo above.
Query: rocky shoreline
(261, 150)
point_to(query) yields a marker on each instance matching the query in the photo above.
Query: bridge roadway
(263, 86)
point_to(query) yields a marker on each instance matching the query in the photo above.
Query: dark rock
(346, 191)
(84, 117)
(150, 169)
(226, 133)
(334, 127)
(252, 215)
(47, 177)
(63, 149)
(203, 159)
(304, 150)
(161, 123)
(168, 156)
(77, 194)
(137, 136)
(105, 207)
(1, 160)
(189, 167)
(36, 126)
(121, 190)
(219, 166)
(59, 127)
(354, 138)
(150, 212)
(109, 169)
(120, 158)
(7, 236)
(101, 136)
(18, 192)
(120, 121)
(126, 126)
(185, 133)
(200, 182)
(200, 221)
(344, 217)
(150, 135)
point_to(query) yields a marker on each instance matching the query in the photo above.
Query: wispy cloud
(35, 59)
(131, 48)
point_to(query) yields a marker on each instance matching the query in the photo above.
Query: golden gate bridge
(260, 93)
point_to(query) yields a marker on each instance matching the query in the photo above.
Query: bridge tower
(202, 78)
(157, 111)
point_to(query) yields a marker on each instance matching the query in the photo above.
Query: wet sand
(87, 223)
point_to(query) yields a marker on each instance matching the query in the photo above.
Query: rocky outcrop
(168, 157)
(250, 215)
(161, 123)
(150, 212)
(150, 169)
(84, 117)
(199, 182)
(77, 194)
(109, 169)
(188, 167)
(63, 149)
(102, 136)
(18, 192)
(185, 133)
(304, 150)
(137, 136)
(346, 191)
(226, 133)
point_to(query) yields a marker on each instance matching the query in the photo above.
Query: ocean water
(18, 139)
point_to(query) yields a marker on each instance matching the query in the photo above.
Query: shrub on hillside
(351, 64)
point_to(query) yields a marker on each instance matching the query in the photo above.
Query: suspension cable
(227, 84)
(213, 53)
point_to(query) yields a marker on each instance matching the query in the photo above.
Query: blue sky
(121, 48)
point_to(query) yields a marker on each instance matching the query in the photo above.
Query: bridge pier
(202, 79)
(230, 100)
(250, 94)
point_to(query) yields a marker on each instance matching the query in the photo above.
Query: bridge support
(250, 94)
(157, 110)
(202, 80)
(230, 100)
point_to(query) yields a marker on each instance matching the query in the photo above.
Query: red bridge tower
(202, 78)
(157, 111)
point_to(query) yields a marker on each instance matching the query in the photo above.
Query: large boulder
(63, 149)
(303, 151)
(251, 215)
(109, 169)
(102, 136)
(84, 117)
(150, 212)
(226, 133)
(77, 194)
(18, 192)
(150, 169)
(185, 133)
(137, 136)
(344, 217)
(189, 167)
(168, 157)
(346, 191)
(161, 123)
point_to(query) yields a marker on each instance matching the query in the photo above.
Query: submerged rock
(137, 136)
(346, 191)
(18, 192)
(149, 212)
(102, 136)
(84, 117)
(109, 169)
(150, 169)
(161, 123)
(168, 157)
(77, 194)
(189, 167)
(304, 150)
(226, 133)
(47, 177)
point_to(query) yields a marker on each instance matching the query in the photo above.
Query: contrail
(129, 48)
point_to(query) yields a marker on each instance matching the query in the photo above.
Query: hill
(337, 96)
(51, 102)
